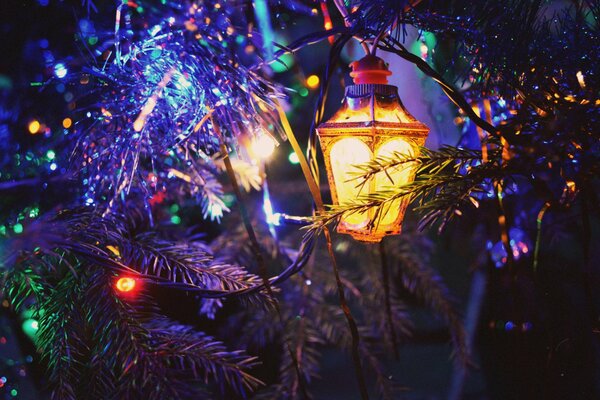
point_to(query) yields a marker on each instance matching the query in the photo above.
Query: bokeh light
(293, 158)
(60, 70)
(312, 81)
(263, 146)
(34, 127)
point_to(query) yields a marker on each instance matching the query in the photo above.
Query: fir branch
(428, 287)
(198, 352)
(128, 348)
(429, 161)
(123, 242)
(440, 186)
(187, 263)
(61, 337)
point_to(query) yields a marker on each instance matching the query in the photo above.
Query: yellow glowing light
(580, 79)
(328, 25)
(312, 81)
(263, 146)
(34, 127)
(125, 284)
(67, 122)
(395, 176)
(139, 123)
(345, 154)
(372, 124)
(114, 250)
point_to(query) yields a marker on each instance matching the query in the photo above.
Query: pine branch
(20, 285)
(199, 174)
(197, 352)
(98, 345)
(440, 186)
(372, 284)
(427, 286)
(187, 263)
(233, 246)
(125, 242)
(61, 337)
(305, 341)
(428, 161)
(332, 326)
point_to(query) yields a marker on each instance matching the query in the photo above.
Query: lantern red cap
(369, 70)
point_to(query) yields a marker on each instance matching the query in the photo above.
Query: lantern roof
(374, 106)
(372, 103)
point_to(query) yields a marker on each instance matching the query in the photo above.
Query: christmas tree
(188, 212)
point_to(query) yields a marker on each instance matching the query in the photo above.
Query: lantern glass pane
(385, 109)
(354, 110)
(346, 153)
(389, 109)
(395, 177)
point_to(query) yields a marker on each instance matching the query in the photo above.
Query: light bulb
(125, 284)
(263, 146)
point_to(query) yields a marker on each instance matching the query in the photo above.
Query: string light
(60, 70)
(312, 81)
(125, 284)
(263, 146)
(30, 326)
(293, 158)
(34, 127)
(18, 228)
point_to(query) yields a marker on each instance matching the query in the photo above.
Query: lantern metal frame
(374, 133)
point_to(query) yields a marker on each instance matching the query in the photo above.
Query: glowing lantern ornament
(371, 123)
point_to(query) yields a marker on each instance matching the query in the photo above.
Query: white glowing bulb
(60, 70)
(263, 146)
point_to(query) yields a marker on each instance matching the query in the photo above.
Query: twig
(31, 182)
(397, 48)
(538, 236)
(342, 9)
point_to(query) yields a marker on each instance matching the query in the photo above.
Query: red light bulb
(125, 284)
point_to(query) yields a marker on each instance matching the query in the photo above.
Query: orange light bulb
(125, 284)
(312, 81)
